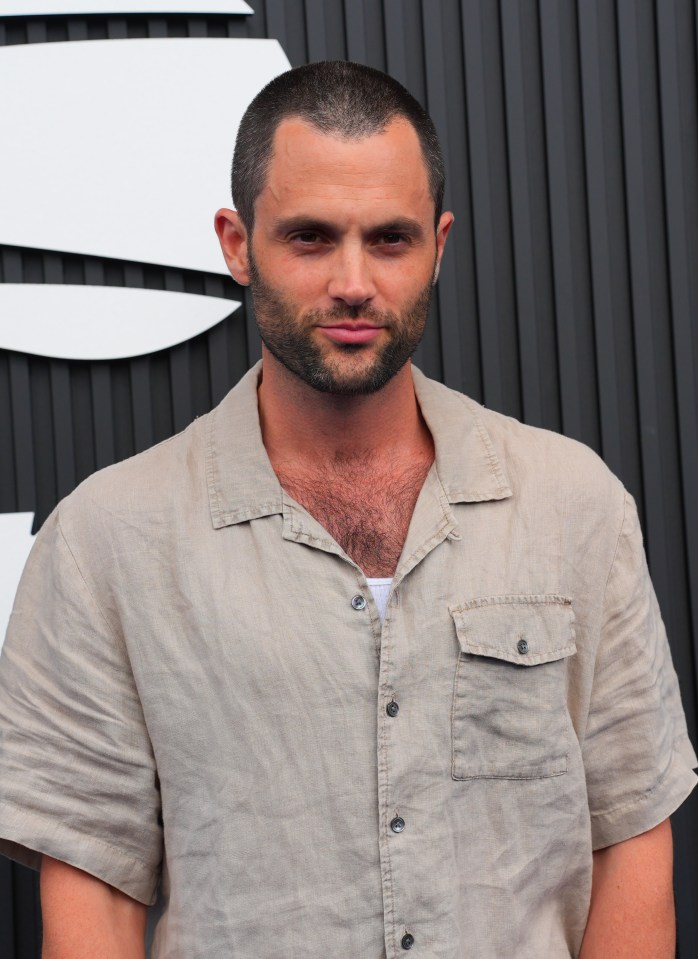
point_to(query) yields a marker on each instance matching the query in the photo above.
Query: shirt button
(522, 646)
(392, 709)
(397, 824)
(358, 601)
(407, 941)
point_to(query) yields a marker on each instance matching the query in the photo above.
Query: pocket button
(522, 646)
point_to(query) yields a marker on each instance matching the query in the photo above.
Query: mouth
(346, 332)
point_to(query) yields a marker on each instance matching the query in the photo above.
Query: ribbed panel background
(568, 297)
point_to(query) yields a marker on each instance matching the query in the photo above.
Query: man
(352, 666)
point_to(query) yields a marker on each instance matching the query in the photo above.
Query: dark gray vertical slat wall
(568, 296)
(607, 236)
(521, 45)
(678, 70)
(491, 222)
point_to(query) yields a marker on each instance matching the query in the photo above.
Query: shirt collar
(469, 467)
(242, 484)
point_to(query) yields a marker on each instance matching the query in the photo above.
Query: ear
(444, 225)
(232, 237)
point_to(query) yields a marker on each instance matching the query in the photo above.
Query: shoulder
(143, 492)
(549, 456)
(555, 475)
(483, 450)
(540, 468)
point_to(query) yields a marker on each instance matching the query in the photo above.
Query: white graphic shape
(122, 148)
(15, 542)
(34, 8)
(102, 322)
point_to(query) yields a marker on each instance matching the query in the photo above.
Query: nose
(351, 280)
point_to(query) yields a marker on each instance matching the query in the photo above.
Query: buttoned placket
(432, 523)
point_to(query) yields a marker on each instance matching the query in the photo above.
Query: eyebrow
(294, 224)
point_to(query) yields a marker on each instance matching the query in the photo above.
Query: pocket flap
(525, 630)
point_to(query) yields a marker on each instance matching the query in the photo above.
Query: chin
(355, 383)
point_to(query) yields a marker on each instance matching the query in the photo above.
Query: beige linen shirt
(196, 693)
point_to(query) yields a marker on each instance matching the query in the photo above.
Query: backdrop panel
(568, 296)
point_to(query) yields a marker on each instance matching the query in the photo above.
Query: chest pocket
(509, 718)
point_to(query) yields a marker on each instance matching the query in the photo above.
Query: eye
(306, 237)
(391, 239)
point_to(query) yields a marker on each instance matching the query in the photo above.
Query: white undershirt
(381, 591)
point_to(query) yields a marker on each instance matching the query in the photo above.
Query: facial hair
(288, 337)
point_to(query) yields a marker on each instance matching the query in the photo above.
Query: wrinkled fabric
(182, 716)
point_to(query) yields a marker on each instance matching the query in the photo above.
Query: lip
(352, 332)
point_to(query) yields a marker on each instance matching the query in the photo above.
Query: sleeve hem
(652, 808)
(25, 836)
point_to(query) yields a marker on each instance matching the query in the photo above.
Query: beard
(288, 337)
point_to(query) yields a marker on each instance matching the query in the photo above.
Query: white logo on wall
(116, 148)
(37, 8)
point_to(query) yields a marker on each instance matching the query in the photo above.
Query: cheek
(291, 280)
(304, 281)
(403, 288)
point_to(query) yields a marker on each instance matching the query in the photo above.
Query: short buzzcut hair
(338, 97)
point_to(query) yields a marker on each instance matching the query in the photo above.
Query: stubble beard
(288, 338)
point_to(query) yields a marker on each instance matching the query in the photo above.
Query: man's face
(344, 255)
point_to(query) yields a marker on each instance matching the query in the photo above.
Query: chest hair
(367, 512)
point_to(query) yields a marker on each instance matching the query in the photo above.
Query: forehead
(310, 169)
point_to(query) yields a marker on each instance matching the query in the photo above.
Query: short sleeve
(637, 755)
(77, 774)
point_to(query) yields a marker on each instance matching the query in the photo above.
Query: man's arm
(632, 900)
(84, 918)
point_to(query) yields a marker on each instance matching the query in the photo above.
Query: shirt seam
(647, 794)
(617, 547)
(569, 649)
(326, 542)
(511, 599)
(53, 824)
(385, 656)
(493, 463)
(108, 625)
(245, 513)
(426, 547)
(211, 484)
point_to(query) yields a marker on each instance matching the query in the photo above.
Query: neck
(305, 427)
